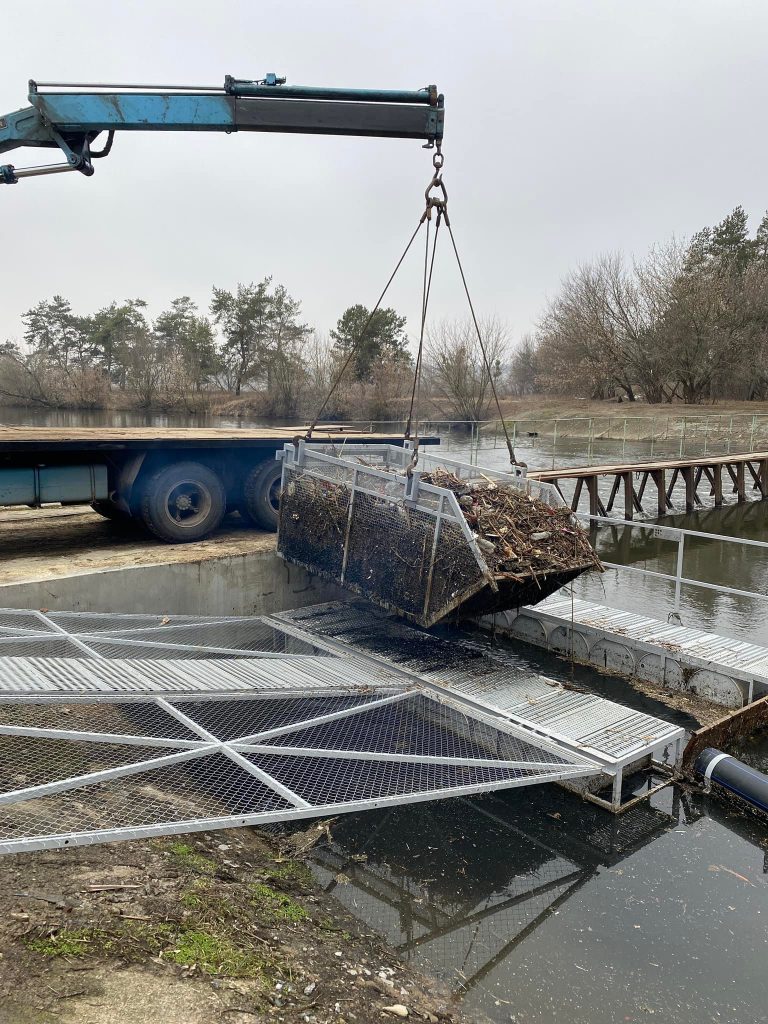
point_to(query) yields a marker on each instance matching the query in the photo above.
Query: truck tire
(261, 494)
(183, 502)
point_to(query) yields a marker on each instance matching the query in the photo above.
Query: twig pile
(519, 535)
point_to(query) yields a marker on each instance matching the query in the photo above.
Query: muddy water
(535, 907)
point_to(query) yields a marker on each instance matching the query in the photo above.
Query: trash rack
(353, 516)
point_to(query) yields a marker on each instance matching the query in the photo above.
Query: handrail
(676, 533)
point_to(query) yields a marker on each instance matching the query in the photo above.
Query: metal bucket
(353, 516)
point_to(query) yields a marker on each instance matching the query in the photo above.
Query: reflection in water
(534, 907)
(711, 561)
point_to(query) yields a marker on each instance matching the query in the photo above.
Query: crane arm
(70, 117)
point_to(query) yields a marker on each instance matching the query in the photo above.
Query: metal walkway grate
(118, 739)
(609, 732)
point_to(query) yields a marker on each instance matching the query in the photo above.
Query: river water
(535, 907)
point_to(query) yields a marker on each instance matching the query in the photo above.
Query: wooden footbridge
(745, 476)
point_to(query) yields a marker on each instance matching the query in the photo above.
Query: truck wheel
(261, 493)
(183, 502)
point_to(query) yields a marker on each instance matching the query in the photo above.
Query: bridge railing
(679, 537)
(630, 437)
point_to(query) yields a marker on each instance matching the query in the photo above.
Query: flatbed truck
(179, 483)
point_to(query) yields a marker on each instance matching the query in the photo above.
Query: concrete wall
(255, 583)
(618, 655)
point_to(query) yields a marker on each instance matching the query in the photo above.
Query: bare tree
(455, 367)
(524, 367)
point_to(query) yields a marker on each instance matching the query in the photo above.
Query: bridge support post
(594, 500)
(717, 471)
(741, 495)
(659, 478)
(690, 489)
(629, 496)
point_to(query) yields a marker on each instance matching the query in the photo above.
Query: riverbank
(741, 423)
(219, 927)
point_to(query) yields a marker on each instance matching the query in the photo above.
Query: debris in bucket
(517, 533)
(450, 539)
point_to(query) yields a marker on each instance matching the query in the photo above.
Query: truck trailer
(178, 482)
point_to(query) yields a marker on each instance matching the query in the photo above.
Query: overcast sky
(572, 128)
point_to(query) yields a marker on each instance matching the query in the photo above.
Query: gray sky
(572, 128)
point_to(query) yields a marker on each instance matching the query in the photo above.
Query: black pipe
(735, 776)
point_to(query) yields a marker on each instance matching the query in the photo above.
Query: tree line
(251, 344)
(687, 323)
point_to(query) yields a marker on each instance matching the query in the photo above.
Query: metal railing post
(679, 572)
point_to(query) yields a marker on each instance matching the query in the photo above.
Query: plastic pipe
(735, 776)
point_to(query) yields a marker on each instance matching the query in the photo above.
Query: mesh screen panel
(110, 738)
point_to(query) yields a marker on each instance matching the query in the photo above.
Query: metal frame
(614, 736)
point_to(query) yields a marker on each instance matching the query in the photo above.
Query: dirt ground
(218, 927)
(41, 544)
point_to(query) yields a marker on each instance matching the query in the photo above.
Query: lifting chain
(438, 202)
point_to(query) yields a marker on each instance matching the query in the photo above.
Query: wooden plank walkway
(746, 474)
(13, 434)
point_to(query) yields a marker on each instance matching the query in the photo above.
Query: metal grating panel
(116, 738)
(604, 729)
(68, 776)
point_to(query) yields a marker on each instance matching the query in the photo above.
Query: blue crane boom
(69, 117)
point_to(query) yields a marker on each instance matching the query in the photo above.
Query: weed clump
(188, 858)
(275, 907)
(292, 872)
(69, 942)
(214, 954)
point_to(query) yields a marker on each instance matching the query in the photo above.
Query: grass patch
(131, 940)
(188, 947)
(70, 942)
(187, 857)
(292, 871)
(194, 897)
(274, 907)
(214, 955)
